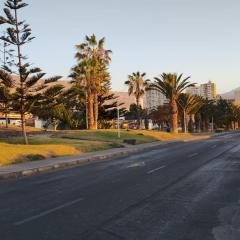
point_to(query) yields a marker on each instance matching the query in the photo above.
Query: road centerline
(156, 169)
(44, 213)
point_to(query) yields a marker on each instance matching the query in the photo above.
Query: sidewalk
(35, 167)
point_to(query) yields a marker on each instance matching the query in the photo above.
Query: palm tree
(172, 85)
(189, 104)
(91, 72)
(137, 85)
(206, 113)
(81, 77)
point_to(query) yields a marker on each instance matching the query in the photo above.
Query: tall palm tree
(172, 85)
(189, 104)
(93, 60)
(137, 85)
(81, 77)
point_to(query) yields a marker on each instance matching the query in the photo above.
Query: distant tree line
(192, 112)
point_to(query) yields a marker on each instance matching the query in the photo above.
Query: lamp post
(118, 121)
(212, 124)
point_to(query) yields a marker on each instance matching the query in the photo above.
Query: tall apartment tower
(153, 99)
(208, 90)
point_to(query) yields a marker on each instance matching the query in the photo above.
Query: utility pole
(212, 123)
(118, 121)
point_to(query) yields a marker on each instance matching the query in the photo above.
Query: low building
(12, 118)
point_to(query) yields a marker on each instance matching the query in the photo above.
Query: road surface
(180, 191)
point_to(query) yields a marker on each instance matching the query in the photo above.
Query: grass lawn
(141, 136)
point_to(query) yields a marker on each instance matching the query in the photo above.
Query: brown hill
(123, 97)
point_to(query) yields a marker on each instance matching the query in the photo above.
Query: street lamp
(118, 121)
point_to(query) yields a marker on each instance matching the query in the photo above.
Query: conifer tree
(30, 83)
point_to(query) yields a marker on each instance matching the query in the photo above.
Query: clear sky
(200, 38)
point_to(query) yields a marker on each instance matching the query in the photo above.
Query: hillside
(230, 94)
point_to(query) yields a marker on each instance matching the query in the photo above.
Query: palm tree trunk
(90, 111)
(138, 113)
(6, 120)
(191, 124)
(174, 115)
(86, 106)
(185, 121)
(96, 110)
(198, 122)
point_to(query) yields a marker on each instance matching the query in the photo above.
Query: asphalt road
(181, 191)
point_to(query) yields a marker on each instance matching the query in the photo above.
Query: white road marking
(235, 149)
(214, 146)
(44, 213)
(156, 169)
(192, 155)
(228, 136)
(136, 164)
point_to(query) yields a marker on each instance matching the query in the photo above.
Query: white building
(205, 90)
(193, 90)
(208, 90)
(153, 98)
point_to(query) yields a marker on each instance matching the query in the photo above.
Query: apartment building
(205, 90)
(193, 90)
(208, 90)
(153, 98)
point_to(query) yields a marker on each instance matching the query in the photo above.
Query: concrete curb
(48, 165)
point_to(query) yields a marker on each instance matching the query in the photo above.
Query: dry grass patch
(10, 153)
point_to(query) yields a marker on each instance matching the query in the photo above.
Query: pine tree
(29, 86)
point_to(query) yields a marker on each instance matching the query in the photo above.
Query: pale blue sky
(200, 38)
